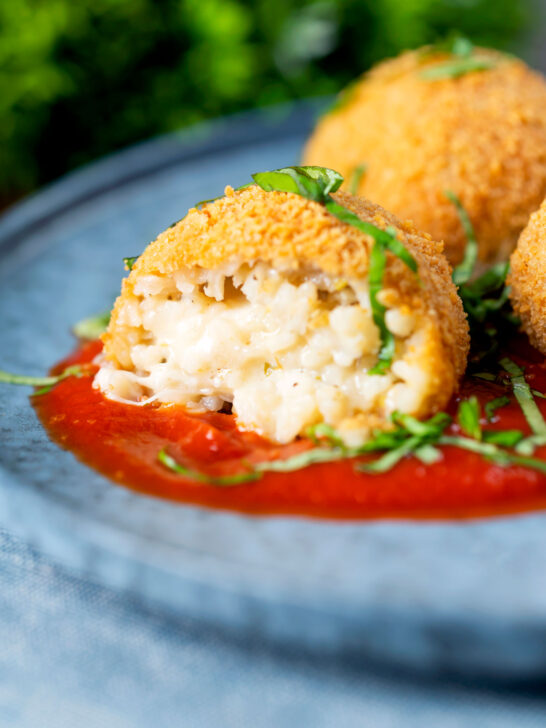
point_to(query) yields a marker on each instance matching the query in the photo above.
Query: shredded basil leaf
(486, 376)
(423, 428)
(322, 431)
(328, 179)
(506, 438)
(487, 449)
(538, 394)
(129, 262)
(428, 454)
(200, 204)
(454, 43)
(461, 46)
(313, 183)
(463, 272)
(491, 452)
(306, 458)
(412, 436)
(358, 172)
(468, 417)
(490, 282)
(385, 238)
(93, 327)
(387, 461)
(457, 68)
(491, 407)
(219, 480)
(296, 462)
(490, 317)
(523, 394)
(384, 440)
(528, 462)
(46, 383)
(378, 264)
(528, 445)
(26, 381)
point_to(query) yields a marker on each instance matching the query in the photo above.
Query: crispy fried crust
(528, 279)
(290, 232)
(482, 135)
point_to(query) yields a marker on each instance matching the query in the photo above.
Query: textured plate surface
(465, 596)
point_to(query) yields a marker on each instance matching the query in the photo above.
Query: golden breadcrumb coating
(528, 279)
(482, 135)
(288, 231)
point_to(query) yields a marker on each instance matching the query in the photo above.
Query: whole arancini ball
(528, 279)
(481, 135)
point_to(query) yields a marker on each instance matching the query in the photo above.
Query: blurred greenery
(79, 78)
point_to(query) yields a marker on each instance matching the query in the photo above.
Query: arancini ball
(421, 130)
(260, 301)
(527, 279)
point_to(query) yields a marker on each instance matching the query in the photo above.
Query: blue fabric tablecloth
(76, 654)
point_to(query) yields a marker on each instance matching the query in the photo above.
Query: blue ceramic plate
(467, 596)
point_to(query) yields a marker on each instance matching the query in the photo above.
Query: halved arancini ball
(481, 135)
(527, 279)
(261, 300)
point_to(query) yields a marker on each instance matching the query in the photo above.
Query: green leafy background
(80, 78)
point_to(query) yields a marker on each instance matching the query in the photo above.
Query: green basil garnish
(492, 452)
(220, 480)
(528, 445)
(491, 407)
(376, 273)
(485, 299)
(454, 44)
(524, 396)
(358, 172)
(323, 432)
(468, 417)
(45, 383)
(505, 438)
(463, 271)
(387, 461)
(486, 376)
(93, 327)
(305, 458)
(313, 183)
(457, 68)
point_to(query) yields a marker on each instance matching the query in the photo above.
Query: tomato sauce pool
(122, 442)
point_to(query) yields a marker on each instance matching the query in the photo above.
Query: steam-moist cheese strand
(261, 300)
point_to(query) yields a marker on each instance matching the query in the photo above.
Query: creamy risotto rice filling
(284, 349)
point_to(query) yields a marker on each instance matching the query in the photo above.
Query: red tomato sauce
(122, 442)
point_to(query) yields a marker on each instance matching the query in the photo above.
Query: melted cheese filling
(286, 350)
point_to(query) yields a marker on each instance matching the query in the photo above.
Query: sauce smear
(122, 442)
